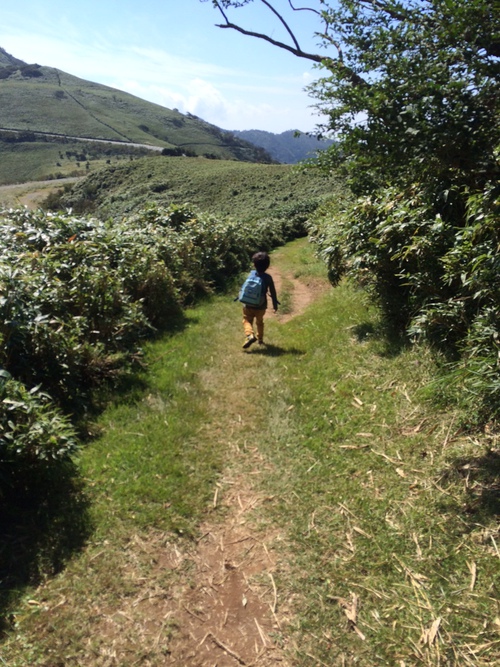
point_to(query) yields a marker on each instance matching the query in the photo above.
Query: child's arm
(272, 290)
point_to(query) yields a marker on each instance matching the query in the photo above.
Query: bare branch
(334, 65)
(216, 4)
(303, 9)
(329, 63)
(221, 11)
(297, 51)
(310, 9)
(294, 39)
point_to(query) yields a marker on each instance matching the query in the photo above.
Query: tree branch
(282, 20)
(329, 63)
(328, 38)
(304, 9)
(296, 50)
(314, 11)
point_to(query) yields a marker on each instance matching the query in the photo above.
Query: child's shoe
(261, 342)
(249, 341)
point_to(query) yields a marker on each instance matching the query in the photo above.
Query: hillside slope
(44, 99)
(221, 187)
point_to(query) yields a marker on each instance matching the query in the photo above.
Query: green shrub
(79, 295)
(66, 321)
(470, 318)
(32, 429)
(434, 278)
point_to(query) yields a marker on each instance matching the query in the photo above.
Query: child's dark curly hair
(261, 261)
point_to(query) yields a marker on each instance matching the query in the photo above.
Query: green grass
(385, 500)
(387, 512)
(147, 475)
(143, 465)
(41, 160)
(222, 187)
(59, 102)
(30, 162)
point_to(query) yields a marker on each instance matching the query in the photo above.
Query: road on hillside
(55, 135)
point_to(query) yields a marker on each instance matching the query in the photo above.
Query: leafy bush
(78, 296)
(470, 316)
(65, 320)
(393, 242)
(31, 428)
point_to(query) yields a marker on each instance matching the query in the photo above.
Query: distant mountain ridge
(288, 147)
(35, 98)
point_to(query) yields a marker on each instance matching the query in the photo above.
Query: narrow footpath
(216, 601)
(229, 610)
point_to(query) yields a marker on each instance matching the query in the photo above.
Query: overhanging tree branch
(333, 64)
(285, 24)
(304, 9)
(318, 13)
(297, 51)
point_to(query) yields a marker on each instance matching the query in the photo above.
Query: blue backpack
(252, 291)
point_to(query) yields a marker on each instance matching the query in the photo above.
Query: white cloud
(206, 101)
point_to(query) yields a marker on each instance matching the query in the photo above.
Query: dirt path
(303, 293)
(222, 606)
(231, 612)
(31, 194)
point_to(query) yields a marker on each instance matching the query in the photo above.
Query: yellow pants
(249, 315)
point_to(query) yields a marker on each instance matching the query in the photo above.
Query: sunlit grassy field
(390, 539)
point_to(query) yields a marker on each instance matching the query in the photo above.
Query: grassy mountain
(43, 101)
(226, 188)
(288, 147)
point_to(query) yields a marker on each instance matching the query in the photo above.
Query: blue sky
(171, 53)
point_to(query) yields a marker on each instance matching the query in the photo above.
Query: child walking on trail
(257, 311)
